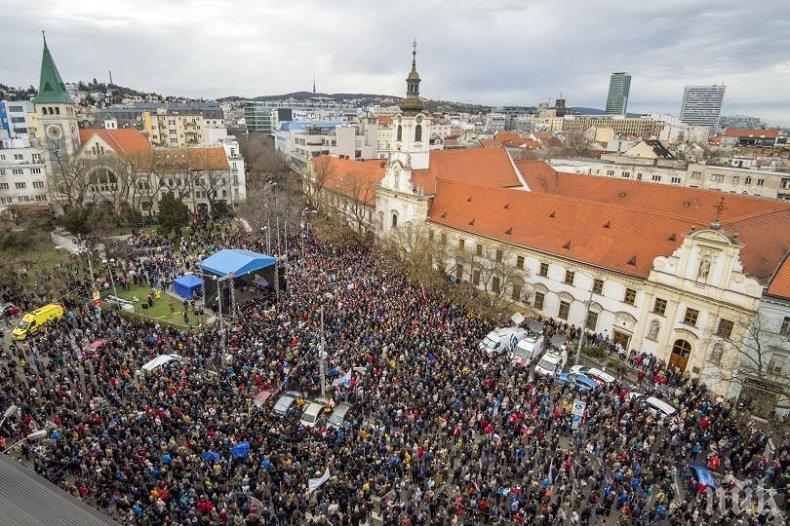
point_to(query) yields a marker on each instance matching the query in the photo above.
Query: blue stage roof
(186, 285)
(236, 261)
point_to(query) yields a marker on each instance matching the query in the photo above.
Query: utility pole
(285, 235)
(278, 234)
(584, 324)
(322, 357)
(268, 236)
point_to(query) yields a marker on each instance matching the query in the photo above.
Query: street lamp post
(588, 304)
(110, 264)
(32, 437)
(12, 409)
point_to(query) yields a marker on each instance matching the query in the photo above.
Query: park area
(165, 308)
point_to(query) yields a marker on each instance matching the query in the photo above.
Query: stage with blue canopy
(238, 262)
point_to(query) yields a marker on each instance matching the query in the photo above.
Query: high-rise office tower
(702, 105)
(617, 101)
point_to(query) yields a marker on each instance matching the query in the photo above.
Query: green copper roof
(51, 89)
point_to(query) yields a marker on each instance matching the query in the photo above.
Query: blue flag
(240, 450)
(211, 456)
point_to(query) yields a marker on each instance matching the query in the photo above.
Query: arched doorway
(681, 350)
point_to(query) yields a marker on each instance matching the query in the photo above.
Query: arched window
(400, 133)
(418, 133)
(681, 348)
(394, 220)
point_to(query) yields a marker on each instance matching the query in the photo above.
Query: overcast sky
(489, 51)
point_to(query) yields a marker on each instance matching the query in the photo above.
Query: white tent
(159, 361)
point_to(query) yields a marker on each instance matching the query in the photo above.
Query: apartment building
(15, 119)
(301, 141)
(701, 105)
(23, 178)
(635, 126)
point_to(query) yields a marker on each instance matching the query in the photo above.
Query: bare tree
(319, 172)
(744, 360)
(358, 192)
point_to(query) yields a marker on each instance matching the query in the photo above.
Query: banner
(314, 484)
(240, 450)
(343, 380)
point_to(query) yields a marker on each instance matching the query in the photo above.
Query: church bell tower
(411, 134)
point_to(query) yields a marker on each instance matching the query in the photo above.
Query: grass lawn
(161, 310)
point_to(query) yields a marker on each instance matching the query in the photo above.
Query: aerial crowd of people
(438, 432)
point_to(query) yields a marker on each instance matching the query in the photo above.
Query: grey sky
(492, 52)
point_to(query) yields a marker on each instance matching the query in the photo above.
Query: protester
(442, 433)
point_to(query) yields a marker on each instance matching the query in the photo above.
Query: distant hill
(308, 95)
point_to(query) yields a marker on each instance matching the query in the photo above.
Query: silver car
(285, 402)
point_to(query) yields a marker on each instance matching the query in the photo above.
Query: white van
(659, 408)
(502, 340)
(552, 363)
(527, 349)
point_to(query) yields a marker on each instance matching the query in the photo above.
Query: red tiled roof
(123, 140)
(750, 132)
(490, 143)
(488, 166)
(354, 179)
(508, 136)
(780, 284)
(693, 203)
(617, 236)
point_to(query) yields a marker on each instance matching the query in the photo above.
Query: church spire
(51, 89)
(412, 102)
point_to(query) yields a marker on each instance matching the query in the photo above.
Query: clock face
(54, 132)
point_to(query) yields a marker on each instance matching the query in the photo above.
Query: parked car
(33, 321)
(552, 362)
(527, 349)
(286, 402)
(311, 414)
(580, 382)
(600, 376)
(502, 340)
(338, 416)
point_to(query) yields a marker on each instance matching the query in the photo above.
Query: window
(565, 308)
(476, 277)
(18, 157)
(17, 171)
(499, 255)
(736, 179)
(696, 175)
(418, 133)
(459, 271)
(495, 284)
(520, 262)
(660, 306)
(544, 270)
(400, 133)
(20, 186)
(24, 199)
(41, 197)
(776, 363)
(394, 220)
(3, 186)
(691, 317)
(656, 178)
(38, 184)
(760, 182)
(625, 175)
(597, 286)
(569, 275)
(725, 329)
(630, 296)
(539, 299)
(717, 178)
(515, 293)
(35, 170)
(479, 249)
(784, 330)
(609, 172)
(592, 321)
(675, 180)
(747, 180)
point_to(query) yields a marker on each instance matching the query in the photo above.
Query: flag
(343, 380)
(211, 456)
(240, 450)
(314, 484)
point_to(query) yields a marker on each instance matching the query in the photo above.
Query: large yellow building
(178, 129)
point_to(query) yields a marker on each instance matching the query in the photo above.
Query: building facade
(701, 105)
(23, 178)
(667, 270)
(179, 129)
(619, 88)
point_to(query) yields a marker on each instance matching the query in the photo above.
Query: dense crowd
(440, 432)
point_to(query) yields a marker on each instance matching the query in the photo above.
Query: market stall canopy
(159, 361)
(238, 262)
(186, 285)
